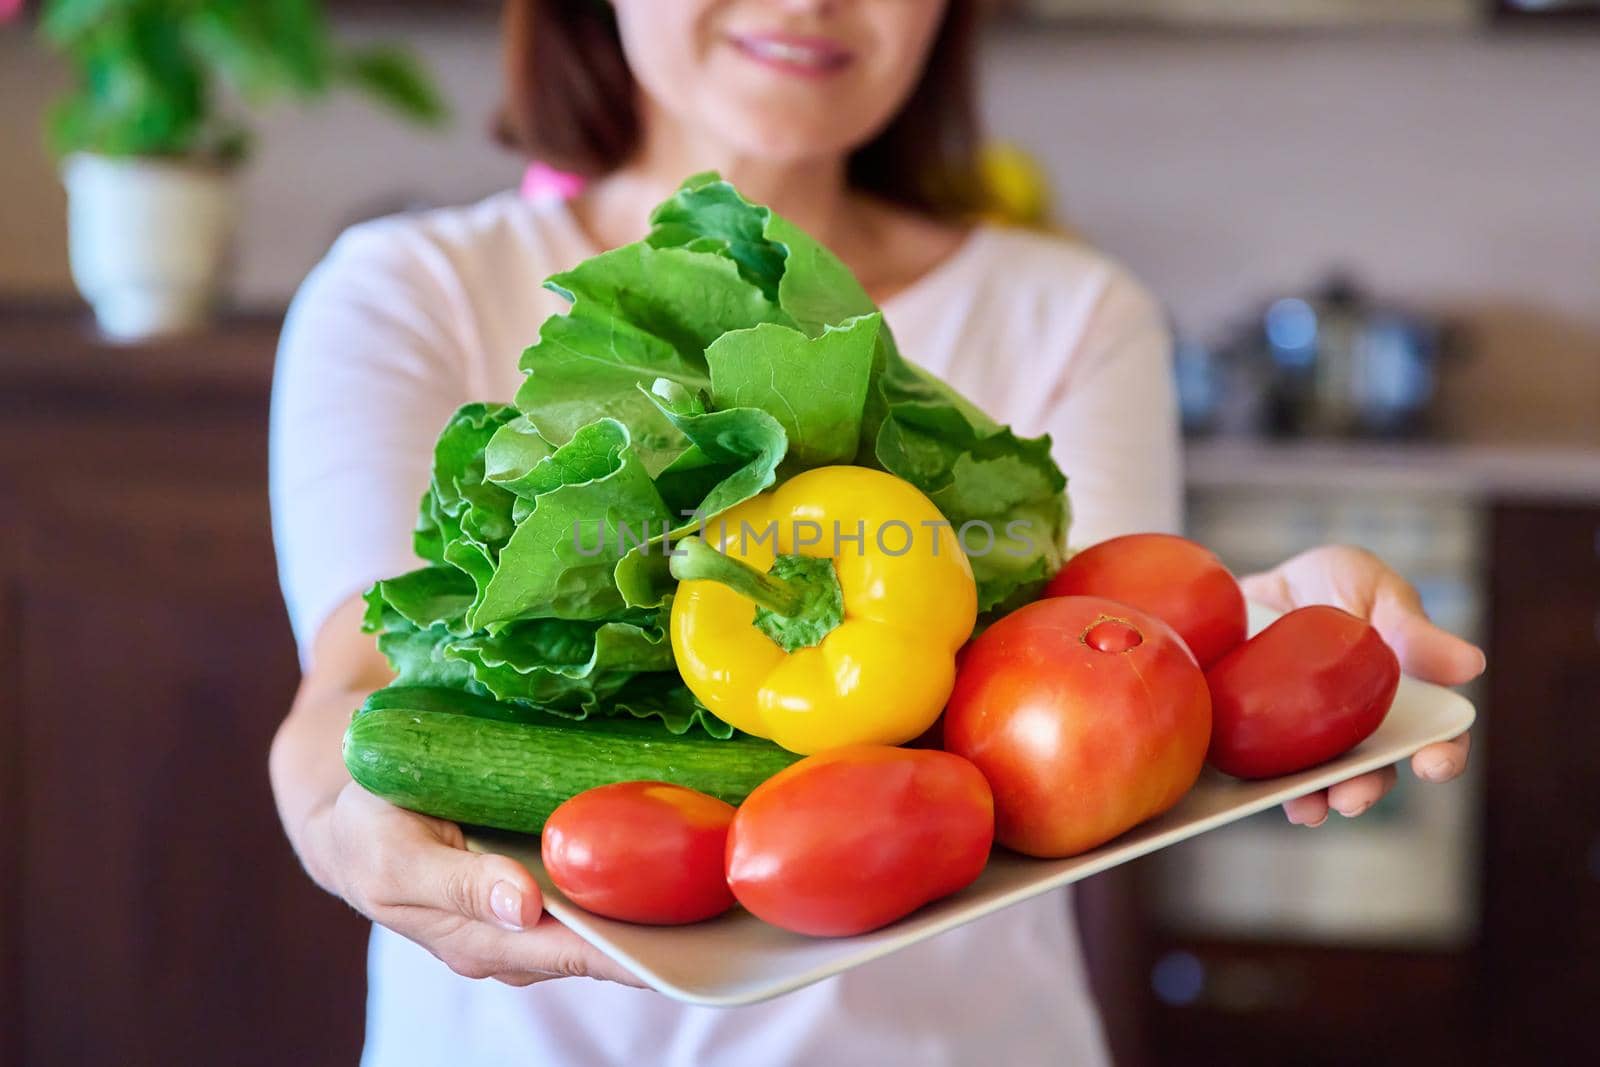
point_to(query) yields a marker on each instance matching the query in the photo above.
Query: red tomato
(1178, 581)
(644, 852)
(850, 840)
(1087, 716)
(1311, 686)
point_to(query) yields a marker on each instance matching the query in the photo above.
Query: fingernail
(1319, 822)
(505, 900)
(1353, 812)
(1438, 770)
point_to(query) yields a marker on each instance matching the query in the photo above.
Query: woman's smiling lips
(794, 53)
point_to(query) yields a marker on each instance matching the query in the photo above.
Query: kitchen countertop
(1522, 472)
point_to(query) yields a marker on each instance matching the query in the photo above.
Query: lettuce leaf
(463, 520)
(815, 387)
(732, 454)
(638, 314)
(807, 281)
(569, 669)
(591, 498)
(1007, 486)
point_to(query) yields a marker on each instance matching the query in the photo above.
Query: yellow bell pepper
(832, 614)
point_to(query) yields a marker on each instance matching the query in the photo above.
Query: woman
(854, 121)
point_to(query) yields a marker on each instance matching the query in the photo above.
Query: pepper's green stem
(798, 603)
(700, 562)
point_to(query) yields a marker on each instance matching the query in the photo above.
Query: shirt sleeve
(1113, 420)
(368, 371)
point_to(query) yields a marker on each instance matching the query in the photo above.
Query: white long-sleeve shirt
(408, 318)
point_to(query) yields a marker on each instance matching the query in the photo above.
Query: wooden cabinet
(1541, 951)
(153, 912)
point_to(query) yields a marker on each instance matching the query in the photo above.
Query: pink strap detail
(541, 181)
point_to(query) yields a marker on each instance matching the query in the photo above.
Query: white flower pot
(147, 240)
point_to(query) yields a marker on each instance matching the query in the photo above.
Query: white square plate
(738, 959)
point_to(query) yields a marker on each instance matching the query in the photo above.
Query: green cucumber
(512, 775)
(433, 698)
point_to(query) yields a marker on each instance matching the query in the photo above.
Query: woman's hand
(1362, 584)
(480, 914)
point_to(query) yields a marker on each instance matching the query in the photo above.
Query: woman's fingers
(1443, 761)
(1349, 798)
(1359, 582)
(489, 889)
(1425, 651)
(394, 858)
(482, 915)
(1353, 797)
(1309, 810)
(546, 950)
(478, 950)
(550, 950)
(1270, 589)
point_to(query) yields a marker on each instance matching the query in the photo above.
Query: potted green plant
(151, 135)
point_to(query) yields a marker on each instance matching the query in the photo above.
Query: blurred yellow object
(1014, 190)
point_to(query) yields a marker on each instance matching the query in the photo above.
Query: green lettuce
(694, 369)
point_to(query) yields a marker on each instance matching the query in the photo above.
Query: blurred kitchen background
(1377, 228)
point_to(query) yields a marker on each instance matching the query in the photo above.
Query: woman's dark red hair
(570, 102)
